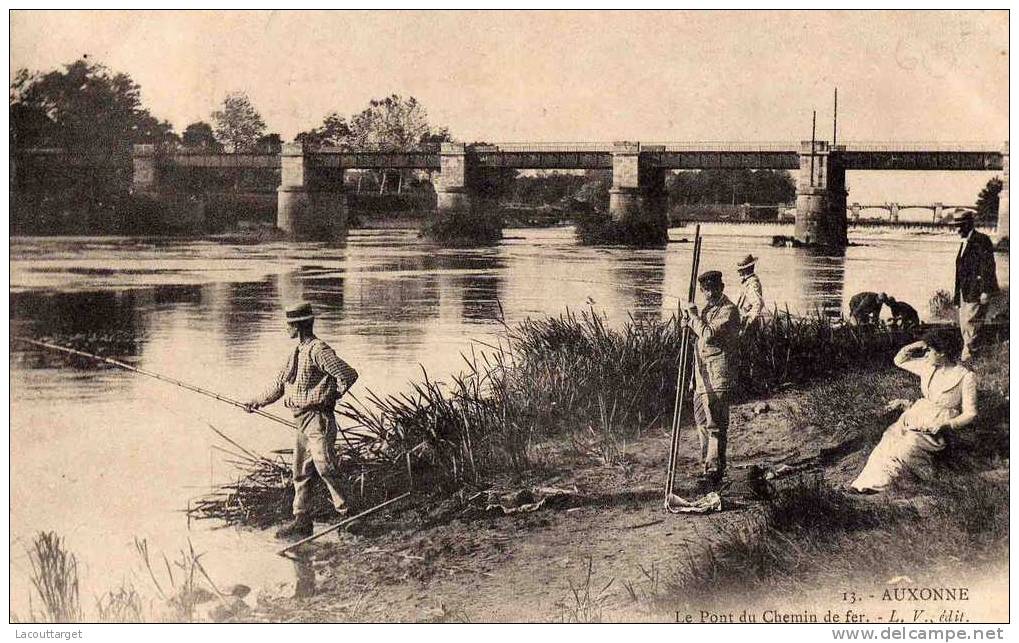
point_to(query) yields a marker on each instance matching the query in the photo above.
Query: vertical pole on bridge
(1002, 231)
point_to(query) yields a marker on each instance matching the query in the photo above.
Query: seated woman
(949, 402)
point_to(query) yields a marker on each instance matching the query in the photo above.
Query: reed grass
(568, 379)
(55, 580)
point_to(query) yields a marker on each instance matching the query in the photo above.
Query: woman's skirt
(899, 450)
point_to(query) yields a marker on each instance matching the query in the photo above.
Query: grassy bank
(814, 533)
(567, 380)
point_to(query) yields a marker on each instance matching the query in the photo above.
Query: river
(103, 456)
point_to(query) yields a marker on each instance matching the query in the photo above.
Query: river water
(104, 456)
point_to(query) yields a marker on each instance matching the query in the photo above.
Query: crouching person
(312, 379)
(717, 329)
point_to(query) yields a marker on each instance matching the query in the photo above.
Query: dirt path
(521, 567)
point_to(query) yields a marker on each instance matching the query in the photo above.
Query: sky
(571, 76)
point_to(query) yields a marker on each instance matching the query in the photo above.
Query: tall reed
(55, 579)
(548, 380)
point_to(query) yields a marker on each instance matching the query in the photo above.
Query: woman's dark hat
(299, 312)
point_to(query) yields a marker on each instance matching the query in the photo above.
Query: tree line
(85, 105)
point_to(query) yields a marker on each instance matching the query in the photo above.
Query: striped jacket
(313, 377)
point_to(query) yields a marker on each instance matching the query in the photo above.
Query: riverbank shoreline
(611, 553)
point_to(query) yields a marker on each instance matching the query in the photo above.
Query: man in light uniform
(717, 329)
(751, 297)
(312, 379)
(976, 281)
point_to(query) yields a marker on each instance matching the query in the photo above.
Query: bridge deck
(682, 155)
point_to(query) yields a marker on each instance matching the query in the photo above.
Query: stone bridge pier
(306, 206)
(453, 185)
(821, 197)
(638, 187)
(854, 211)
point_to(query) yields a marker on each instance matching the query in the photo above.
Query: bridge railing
(552, 147)
(922, 146)
(421, 148)
(725, 146)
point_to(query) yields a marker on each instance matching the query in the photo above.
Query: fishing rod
(681, 375)
(162, 378)
(341, 524)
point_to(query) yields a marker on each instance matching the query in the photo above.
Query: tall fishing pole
(162, 378)
(681, 375)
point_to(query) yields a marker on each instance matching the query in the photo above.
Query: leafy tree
(270, 143)
(334, 132)
(200, 134)
(595, 190)
(436, 138)
(391, 123)
(987, 200)
(84, 105)
(238, 123)
(730, 186)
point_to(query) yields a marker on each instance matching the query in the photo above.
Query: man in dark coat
(975, 280)
(865, 307)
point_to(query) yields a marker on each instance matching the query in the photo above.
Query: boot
(300, 527)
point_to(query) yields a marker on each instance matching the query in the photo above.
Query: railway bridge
(310, 194)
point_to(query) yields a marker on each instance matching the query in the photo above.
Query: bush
(463, 228)
(598, 228)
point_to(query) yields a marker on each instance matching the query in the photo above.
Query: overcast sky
(569, 76)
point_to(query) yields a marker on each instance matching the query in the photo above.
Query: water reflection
(821, 275)
(477, 283)
(211, 314)
(70, 313)
(304, 575)
(640, 279)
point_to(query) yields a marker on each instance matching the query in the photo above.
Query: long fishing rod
(681, 375)
(162, 378)
(342, 523)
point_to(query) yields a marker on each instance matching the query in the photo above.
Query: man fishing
(311, 381)
(717, 330)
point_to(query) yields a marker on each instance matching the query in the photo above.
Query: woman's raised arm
(911, 358)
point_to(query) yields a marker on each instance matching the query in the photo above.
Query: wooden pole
(681, 376)
(835, 119)
(342, 523)
(813, 147)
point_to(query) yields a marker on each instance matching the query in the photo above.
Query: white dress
(949, 395)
